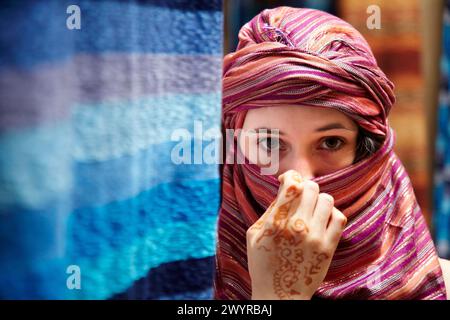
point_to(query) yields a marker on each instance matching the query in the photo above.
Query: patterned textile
(238, 12)
(87, 183)
(398, 47)
(306, 57)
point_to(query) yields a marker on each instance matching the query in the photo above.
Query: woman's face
(312, 141)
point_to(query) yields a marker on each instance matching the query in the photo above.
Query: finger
(277, 216)
(290, 188)
(308, 200)
(276, 221)
(297, 223)
(283, 206)
(336, 226)
(259, 224)
(290, 174)
(263, 220)
(322, 212)
(259, 229)
(290, 177)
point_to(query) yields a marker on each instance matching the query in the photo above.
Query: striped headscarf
(304, 57)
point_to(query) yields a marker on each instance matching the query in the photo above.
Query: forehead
(295, 117)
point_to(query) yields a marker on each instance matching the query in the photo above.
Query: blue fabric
(86, 134)
(108, 26)
(441, 214)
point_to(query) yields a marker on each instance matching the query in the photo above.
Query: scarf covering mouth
(304, 57)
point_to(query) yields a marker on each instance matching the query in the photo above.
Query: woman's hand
(290, 247)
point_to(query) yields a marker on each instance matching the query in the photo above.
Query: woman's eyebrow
(334, 125)
(269, 130)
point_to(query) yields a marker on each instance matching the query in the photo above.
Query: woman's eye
(269, 143)
(331, 144)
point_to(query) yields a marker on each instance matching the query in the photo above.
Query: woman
(336, 216)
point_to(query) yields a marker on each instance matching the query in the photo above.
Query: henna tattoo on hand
(280, 219)
(315, 266)
(289, 261)
(308, 279)
(298, 256)
(288, 273)
(292, 191)
(296, 178)
(260, 223)
(299, 226)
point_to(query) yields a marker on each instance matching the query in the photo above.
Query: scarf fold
(305, 57)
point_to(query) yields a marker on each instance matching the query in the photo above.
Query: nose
(304, 166)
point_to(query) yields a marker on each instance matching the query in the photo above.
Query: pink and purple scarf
(304, 57)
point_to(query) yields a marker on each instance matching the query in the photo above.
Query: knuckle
(292, 191)
(291, 172)
(299, 226)
(312, 186)
(341, 218)
(328, 251)
(288, 173)
(326, 198)
(315, 242)
(270, 225)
